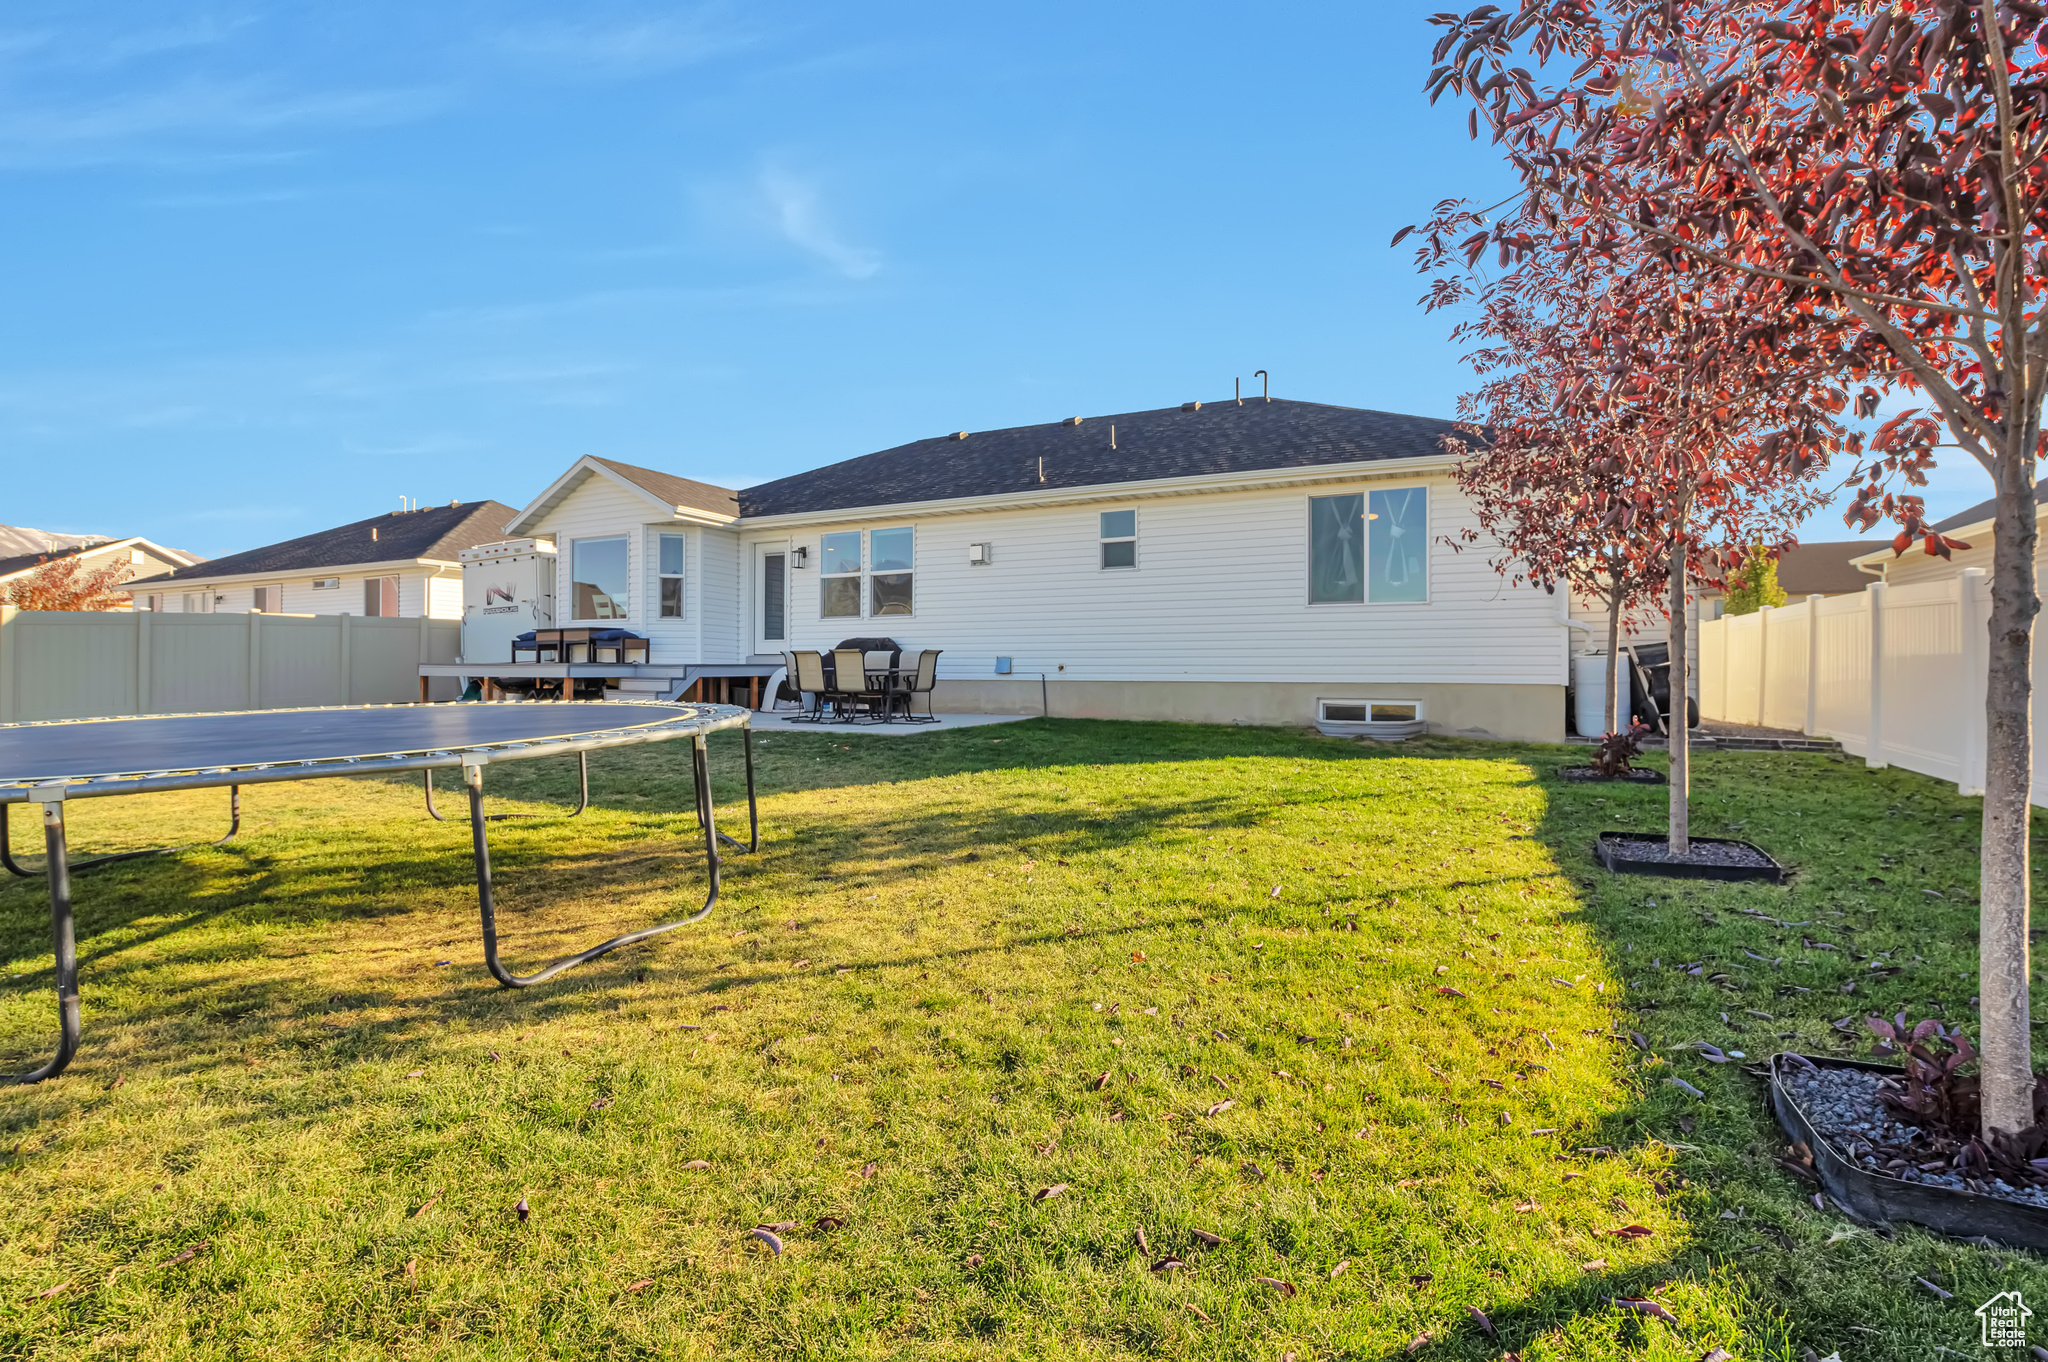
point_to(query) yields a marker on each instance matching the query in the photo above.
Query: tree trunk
(1675, 730)
(2005, 891)
(1617, 705)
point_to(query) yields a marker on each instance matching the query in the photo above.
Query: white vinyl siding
(1223, 596)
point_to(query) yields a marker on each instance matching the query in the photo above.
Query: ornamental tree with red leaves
(1633, 436)
(1872, 182)
(68, 584)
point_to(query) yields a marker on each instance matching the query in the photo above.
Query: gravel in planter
(1653, 848)
(1844, 1108)
(1640, 776)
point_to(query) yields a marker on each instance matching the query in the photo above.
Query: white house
(1245, 561)
(402, 563)
(139, 556)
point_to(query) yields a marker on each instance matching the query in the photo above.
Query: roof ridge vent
(957, 435)
(1191, 406)
(1071, 421)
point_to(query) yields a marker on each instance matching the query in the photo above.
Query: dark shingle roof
(1223, 437)
(1984, 510)
(29, 560)
(701, 496)
(438, 532)
(1824, 569)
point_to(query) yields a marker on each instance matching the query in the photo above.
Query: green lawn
(1362, 1012)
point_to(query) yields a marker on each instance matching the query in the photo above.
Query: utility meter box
(508, 588)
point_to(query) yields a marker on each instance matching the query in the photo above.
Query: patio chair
(849, 694)
(913, 680)
(807, 674)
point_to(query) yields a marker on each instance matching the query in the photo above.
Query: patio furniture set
(863, 680)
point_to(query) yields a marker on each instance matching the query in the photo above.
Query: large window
(839, 575)
(597, 579)
(889, 563)
(1336, 566)
(1400, 545)
(1119, 539)
(380, 597)
(1369, 547)
(672, 576)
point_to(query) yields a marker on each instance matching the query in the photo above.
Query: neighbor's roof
(23, 562)
(437, 533)
(1825, 569)
(1172, 442)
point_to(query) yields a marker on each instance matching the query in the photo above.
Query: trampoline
(49, 764)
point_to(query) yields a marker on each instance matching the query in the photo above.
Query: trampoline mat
(185, 742)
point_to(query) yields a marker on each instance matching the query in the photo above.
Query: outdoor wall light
(800, 556)
(981, 554)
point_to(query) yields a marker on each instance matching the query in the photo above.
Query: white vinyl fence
(77, 664)
(1895, 673)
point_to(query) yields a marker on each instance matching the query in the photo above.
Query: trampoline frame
(51, 795)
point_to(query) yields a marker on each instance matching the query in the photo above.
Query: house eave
(1196, 485)
(531, 514)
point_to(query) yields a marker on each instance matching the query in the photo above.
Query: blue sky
(269, 268)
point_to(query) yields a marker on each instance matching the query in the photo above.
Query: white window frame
(327, 583)
(1102, 540)
(1428, 566)
(868, 587)
(397, 596)
(858, 575)
(1308, 550)
(610, 620)
(662, 577)
(267, 598)
(1371, 706)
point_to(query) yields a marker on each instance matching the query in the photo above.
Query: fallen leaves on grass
(696, 1165)
(768, 1237)
(1101, 1081)
(1645, 1306)
(1048, 1193)
(1938, 1292)
(868, 1170)
(1212, 1240)
(1339, 1270)
(1284, 1288)
(1197, 1310)
(1448, 991)
(522, 1210)
(1420, 1341)
(1219, 1108)
(828, 1223)
(640, 1285)
(1632, 1232)
(974, 1260)
(1688, 1089)
(1421, 1279)
(45, 1295)
(1593, 1265)
(412, 1271)
(187, 1256)
(1479, 1318)
(426, 1205)
(1138, 1240)
(1167, 1264)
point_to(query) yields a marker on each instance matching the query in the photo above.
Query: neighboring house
(141, 557)
(1217, 562)
(402, 563)
(1826, 569)
(1972, 527)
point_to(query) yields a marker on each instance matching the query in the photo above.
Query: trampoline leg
(64, 938)
(582, 794)
(473, 776)
(234, 826)
(753, 842)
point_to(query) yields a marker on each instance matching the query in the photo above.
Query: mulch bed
(1635, 776)
(1738, 855)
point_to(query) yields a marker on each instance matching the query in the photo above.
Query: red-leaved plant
(1611, 760)
(1934, 1091)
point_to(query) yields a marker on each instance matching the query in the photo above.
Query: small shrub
(1617, 752)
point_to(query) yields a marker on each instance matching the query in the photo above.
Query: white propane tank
(508, 588)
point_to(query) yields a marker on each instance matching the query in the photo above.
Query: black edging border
(1879, 1198)
(1679, 870)
(1638, 775)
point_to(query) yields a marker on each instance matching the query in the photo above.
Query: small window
(1399, 545)
(839, 575)
(380, 597)
(597, 579)
(198, 602)
(1371, 711)
(1395, 712)
(269, 600)
(1119, 539)
(672, 576)
(327, 583)
(889, 558)
(153, 603)
(136, 556)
